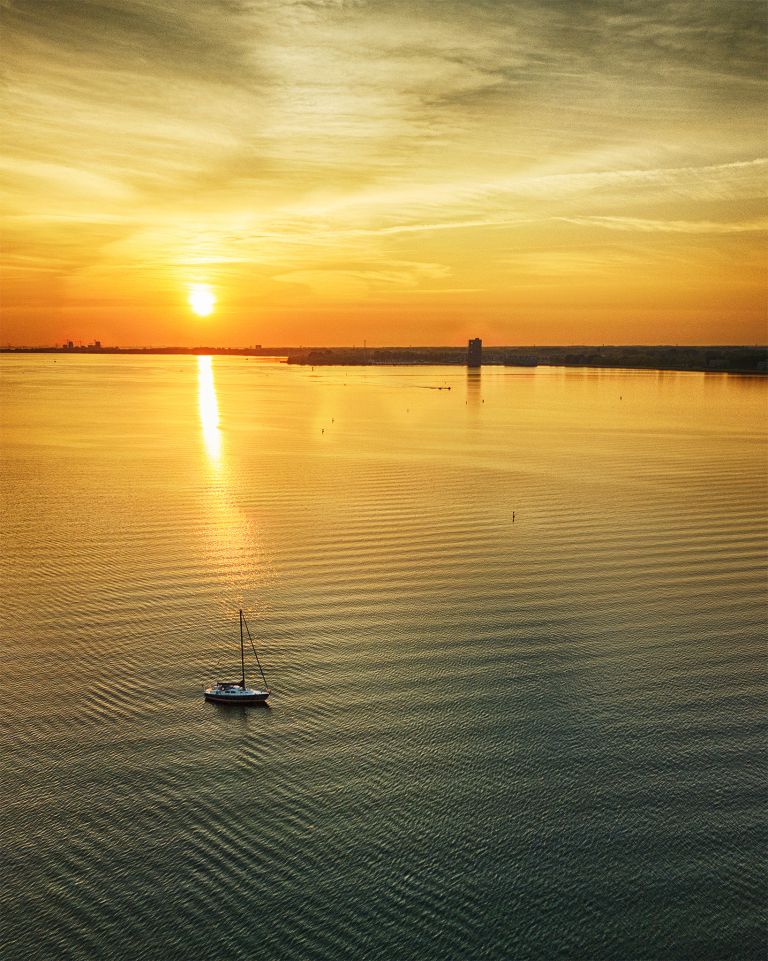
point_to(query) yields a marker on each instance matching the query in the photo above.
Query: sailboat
(236, 692)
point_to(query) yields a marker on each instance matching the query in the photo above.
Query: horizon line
(96, 347)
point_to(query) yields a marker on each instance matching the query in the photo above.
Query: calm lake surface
(515, 633)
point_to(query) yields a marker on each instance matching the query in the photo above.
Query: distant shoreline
(709, 359)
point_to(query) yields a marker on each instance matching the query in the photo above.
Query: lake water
(514, 630)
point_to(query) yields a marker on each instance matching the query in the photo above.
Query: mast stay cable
(253, 646)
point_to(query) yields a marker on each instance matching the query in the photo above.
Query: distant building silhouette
(474, 352)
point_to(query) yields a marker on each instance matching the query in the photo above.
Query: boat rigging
(237, 692)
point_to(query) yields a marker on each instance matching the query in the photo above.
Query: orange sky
(531, 173)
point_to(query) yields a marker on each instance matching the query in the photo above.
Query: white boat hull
(236, 695)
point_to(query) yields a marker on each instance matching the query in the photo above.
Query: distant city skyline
(325, 173)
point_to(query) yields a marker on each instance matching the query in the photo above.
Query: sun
(201, 299)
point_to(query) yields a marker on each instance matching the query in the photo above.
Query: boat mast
(242, 654)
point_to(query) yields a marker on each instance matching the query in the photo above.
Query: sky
(317, 172)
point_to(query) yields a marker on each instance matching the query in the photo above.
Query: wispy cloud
(670, 226)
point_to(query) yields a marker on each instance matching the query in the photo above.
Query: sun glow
(201, 299)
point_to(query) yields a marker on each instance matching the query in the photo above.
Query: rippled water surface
(514, 630)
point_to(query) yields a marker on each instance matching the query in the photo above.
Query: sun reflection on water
(209, 408)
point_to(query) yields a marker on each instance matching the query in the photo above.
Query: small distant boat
(236, 692)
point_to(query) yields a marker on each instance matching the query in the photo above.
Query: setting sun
(201, 299)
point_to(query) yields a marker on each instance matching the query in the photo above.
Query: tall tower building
(475, 352)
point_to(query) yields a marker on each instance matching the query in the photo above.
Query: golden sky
(533, 172)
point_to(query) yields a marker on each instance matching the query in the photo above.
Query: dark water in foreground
(491, 737)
